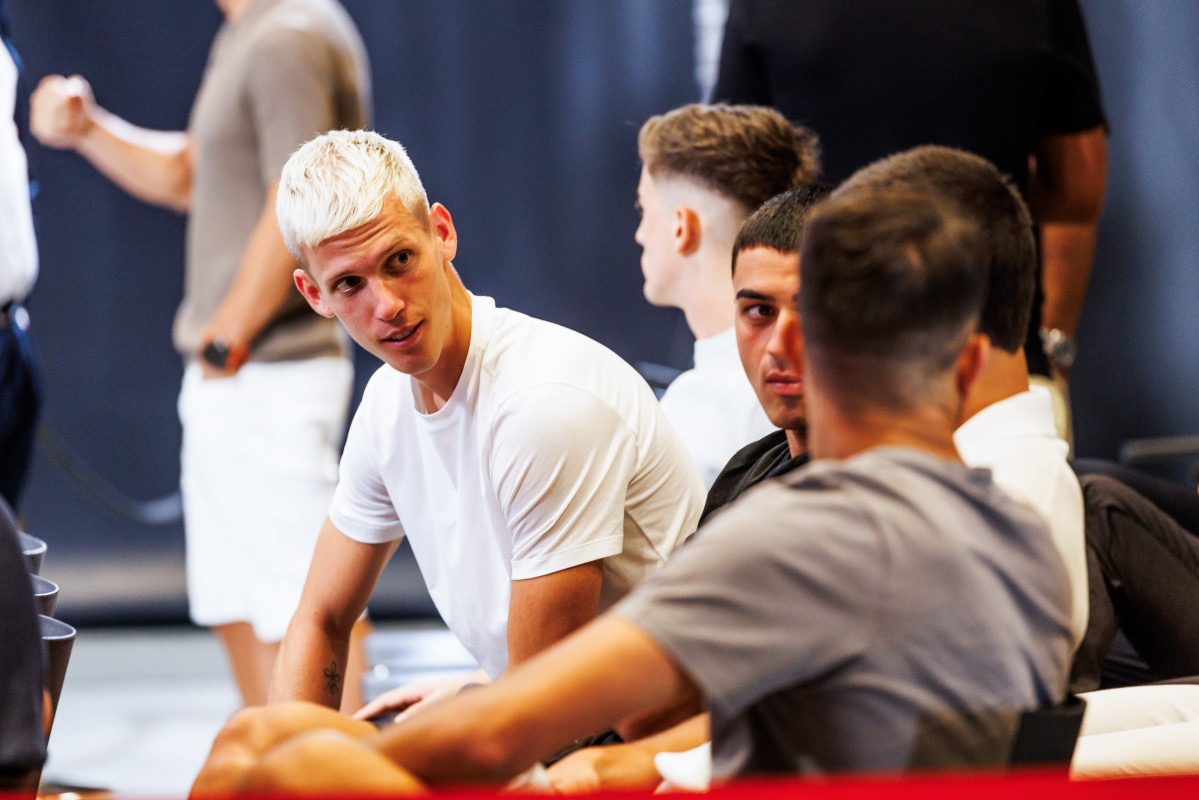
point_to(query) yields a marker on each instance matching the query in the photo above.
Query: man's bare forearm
(588, 682)
(1067, 255)
(312, 659)
(153, 166)
(311, 665)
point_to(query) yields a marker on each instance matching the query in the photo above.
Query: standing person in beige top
(267, 383)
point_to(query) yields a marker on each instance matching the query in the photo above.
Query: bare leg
(252, 732)
(328, 763)
(252, 660)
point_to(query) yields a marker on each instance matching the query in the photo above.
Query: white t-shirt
(713, 405)
(551, 452)
(1017, 440)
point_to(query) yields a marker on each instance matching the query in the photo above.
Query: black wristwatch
(224, 356)
(1060, 349)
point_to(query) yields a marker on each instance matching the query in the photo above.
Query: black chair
(1047, 736)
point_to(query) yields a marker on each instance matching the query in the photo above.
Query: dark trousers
(20, 401)
(1174, 497)
(1143, 570)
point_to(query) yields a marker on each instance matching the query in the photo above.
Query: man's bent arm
(1066, 192)
(590, 681)
(547, 608)
(262, 285)
(153, 166)
(312, 659)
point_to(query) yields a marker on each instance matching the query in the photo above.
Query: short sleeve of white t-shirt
(556, 452)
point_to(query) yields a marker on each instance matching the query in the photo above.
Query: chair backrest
(58, 638)
(45, 594)
(1047, 735)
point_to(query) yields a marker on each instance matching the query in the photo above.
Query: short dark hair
(747, 153)
(891, 285)
(993, 201)
(778, 223)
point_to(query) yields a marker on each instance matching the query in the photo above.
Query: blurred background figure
(1012, 82)
(19, 389)
(267, 385)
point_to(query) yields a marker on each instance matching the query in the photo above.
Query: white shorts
(259, 466)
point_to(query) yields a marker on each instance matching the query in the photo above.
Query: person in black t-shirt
(1013, 82)
(765, 284)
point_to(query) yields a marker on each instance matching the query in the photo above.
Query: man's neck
(436, 385)
(841, 432)
(709, 305)
(1004, 375)
(797, 441)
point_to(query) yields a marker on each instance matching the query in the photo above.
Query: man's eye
(346, 284)
(758, 312)
(400, 259)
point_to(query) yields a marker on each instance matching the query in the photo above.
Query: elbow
(1075, 205)
(179, 193)
(177, 181)
(490, 751)
(1068, 178)
(491, 758)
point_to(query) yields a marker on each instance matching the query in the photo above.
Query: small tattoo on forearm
(333, 679)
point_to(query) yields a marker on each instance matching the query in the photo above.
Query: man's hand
(414, 697)
(61, 111)
(608, 768)
(625, 766)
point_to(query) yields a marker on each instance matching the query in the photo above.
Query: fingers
(391, 700)
(60, 111)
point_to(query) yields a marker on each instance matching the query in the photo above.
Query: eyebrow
(750, 294)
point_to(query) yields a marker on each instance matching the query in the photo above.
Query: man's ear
(687, 230)
(443, 229)
(312, 293)
(970, 363)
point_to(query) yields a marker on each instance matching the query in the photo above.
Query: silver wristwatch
(1060, 349)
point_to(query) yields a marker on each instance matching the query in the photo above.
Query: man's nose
(388, 303)
(786, 341)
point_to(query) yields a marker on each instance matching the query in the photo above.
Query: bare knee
(252, 732)
(327, 763)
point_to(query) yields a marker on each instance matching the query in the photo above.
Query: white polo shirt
(1017, 440)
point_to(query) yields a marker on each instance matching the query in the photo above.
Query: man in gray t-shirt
(884, 608)
(886, 612)
(267, 383)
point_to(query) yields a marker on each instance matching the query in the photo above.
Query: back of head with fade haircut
(779, 222)
(747, 153)
(339, 181)
(993, 201)
(891, 286)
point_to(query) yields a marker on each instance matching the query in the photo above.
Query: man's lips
(784, 383)
(403, 336)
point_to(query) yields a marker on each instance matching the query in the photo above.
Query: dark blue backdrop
(522, 117)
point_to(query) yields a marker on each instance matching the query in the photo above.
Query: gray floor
(140, 706)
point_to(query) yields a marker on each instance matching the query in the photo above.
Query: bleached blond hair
(340, 181)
